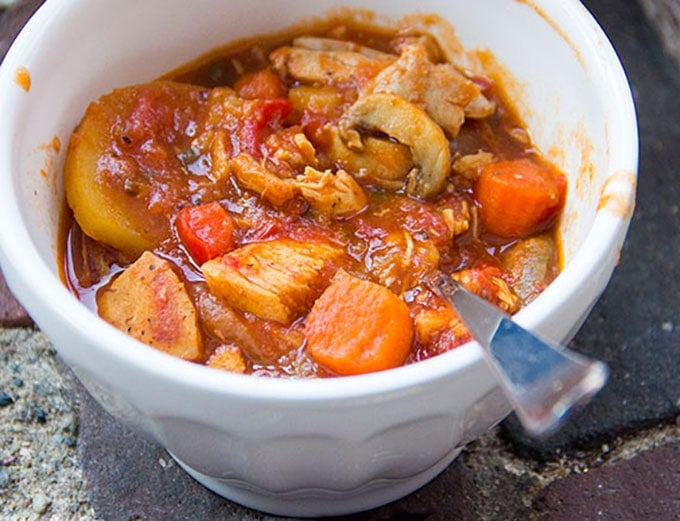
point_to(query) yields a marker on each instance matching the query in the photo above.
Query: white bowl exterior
(305, 447)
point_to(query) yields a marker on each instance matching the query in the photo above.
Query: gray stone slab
(644, 487)
(635, 327)
(12, 314)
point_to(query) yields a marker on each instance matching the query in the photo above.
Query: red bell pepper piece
(206, 231)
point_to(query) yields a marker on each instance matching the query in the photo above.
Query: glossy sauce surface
(156, 160)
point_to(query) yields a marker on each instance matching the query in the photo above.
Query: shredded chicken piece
(440, 89)
(398, 261)
(458, 219)
(438, 31)
(426, 41)
(509, 302)
(410, 125)
(430, 323)
(406, 77)
(254, 175)
(335, 194)
(488, 284)
(469, 166)
(290, 150)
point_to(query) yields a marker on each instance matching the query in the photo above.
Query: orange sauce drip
(23, 78)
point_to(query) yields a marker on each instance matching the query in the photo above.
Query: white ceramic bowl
(324, 446)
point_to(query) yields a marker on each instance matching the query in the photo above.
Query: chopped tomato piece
(206, 231)
(268, 113)
(489, 282)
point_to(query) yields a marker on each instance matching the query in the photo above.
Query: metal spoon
(542, 382)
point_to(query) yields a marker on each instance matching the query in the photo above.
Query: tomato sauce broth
(394, 239)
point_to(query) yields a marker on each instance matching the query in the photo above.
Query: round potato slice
(124, 159)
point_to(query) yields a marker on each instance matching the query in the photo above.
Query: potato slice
(149, 302)
(276, 280)
(122, 159)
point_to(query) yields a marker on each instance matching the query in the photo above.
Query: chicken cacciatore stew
(272, 209)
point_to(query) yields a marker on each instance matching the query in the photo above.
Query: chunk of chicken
(469, 166)
(406, 77)
(440, 89)
(327, 67)
(410, 125)
(488, 283)
(334, 194)
(438, 31)
(227, 358)
(315, 43)
(431, 323)
(149, 302)
(277, 280)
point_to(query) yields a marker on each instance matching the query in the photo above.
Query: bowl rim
(30, 277)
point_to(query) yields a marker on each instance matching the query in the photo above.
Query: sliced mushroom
(332, 194)
(410, 125)
(381, 162)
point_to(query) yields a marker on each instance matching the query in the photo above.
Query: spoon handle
(542, 382)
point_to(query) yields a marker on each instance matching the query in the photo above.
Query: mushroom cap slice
(411, 126)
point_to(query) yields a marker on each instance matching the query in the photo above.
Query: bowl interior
(559, 68)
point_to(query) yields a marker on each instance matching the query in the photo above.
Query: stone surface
(11, 312)
(39, 471)
(665, 16)
(130, 478)
(645, 487)
(635, 327)
(13, 19)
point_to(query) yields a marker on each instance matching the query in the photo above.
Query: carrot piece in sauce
(517, 197)
(357, 327)
(263, 84)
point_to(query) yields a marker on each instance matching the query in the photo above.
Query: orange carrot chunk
(262, 84)
(519, 197)
(357, 327)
